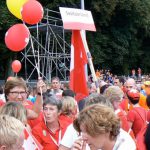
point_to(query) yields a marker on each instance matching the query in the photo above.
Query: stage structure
(47, 49)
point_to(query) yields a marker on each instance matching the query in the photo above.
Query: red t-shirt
(134, 117)
(66, 119)
(125, 105)
(123, 118)
(124, 122)
(33, 122)
(148, 115)
(46, 137)
(1, 103)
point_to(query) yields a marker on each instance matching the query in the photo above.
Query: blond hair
(113, 93)
(11, 130)
(68, 105)
(98, 119)
(15, 109)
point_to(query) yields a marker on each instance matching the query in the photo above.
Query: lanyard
(54, 140)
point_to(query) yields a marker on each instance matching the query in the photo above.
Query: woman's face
(50, 113)
(96, 142)
(17, 94)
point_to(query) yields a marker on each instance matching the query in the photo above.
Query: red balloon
(32, 12)
(16, 66)
(17, 37)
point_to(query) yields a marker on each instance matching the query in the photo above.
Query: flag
(78, 81)
(30, 143)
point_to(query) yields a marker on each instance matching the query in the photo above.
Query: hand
(41, 86)
(79, 145)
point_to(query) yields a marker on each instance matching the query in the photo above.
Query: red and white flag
(78, 81)
(30, 143)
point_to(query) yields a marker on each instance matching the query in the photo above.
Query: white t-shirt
(70, 136)
(2, 97)
(124, 142)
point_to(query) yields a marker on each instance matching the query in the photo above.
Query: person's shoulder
(66, 119)
(63, 123)
(139, 109)
(125, 136)
(71, 129)
(123, 133)
(40, 126)
(124, 141)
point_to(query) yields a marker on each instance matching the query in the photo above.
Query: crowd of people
(48, 117)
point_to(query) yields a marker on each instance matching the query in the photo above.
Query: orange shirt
(97, 74)
(48, 139)
(142, 101)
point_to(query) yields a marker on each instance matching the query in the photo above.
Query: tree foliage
(122, 32)
(121, 41)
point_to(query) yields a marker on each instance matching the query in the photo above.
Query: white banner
(77, 19)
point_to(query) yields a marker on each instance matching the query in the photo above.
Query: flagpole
(83, 35)
(82, 4)
(90, 61)
(84, 32)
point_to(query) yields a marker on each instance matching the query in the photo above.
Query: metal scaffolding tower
(47, 50)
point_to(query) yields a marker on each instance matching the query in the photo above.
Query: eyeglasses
(15, 93)
(129, 87)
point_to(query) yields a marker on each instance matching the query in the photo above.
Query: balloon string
(36, 65)
(38, 71)
(38, 49)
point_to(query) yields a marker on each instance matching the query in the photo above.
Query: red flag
(77, 67)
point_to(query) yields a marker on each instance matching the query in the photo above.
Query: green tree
(6, 21)
(120, 43)
(122, 29)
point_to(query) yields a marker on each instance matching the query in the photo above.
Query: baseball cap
(133, 94)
